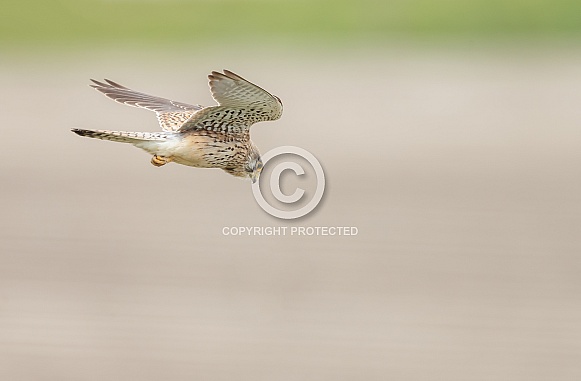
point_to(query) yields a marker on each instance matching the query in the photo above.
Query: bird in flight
(204, 137)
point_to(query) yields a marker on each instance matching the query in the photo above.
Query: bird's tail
(122, 136)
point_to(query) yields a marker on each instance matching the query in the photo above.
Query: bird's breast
(209, 151)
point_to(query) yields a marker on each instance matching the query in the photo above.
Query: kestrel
(203, 137)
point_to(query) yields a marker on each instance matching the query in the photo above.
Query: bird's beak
(255, 176)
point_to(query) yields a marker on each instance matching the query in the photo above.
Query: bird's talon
(158, 161)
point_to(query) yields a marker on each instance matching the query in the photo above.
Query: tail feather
(122, 136)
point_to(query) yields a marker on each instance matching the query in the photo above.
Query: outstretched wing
(241, 104)
(170, 114)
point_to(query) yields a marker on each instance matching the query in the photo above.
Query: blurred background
(450, 135)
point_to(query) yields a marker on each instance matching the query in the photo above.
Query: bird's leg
(158, 161)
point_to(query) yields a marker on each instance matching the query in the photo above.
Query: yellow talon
(158, 161)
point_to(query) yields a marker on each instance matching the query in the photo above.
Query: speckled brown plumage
(205, 137)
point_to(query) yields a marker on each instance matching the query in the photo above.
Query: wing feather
(170, 114)
(240, 104)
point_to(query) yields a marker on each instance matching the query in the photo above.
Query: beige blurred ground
(460, 168)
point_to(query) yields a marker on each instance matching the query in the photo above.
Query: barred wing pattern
(241, 104)
(170, 114)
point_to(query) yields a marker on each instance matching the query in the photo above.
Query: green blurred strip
(105, 21)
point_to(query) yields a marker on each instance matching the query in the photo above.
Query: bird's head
(254, 165)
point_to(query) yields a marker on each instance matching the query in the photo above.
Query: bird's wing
(170, 114)
(241, 104)
(230, 89)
